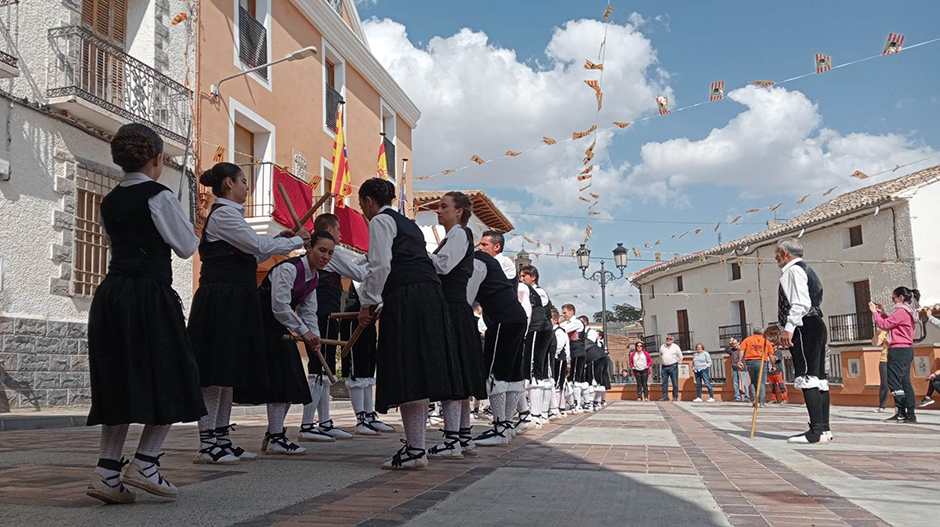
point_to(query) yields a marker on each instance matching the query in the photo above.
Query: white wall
(708, 312)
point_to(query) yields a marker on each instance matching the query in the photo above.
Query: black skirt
(503, 351)
(225, 327)
(329, 329)
(467, 336)
(560, 374)
(417, 356)
(538, 345)
(601, 372)
(280, 377)
(359, 363)
(140, 358)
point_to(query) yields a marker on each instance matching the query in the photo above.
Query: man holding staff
(804, 332)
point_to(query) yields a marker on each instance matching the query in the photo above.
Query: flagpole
(401, 193)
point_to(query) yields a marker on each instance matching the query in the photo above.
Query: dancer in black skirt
(289, 303)
(592, 354)
(417, 359)
(141, 362)
(225, 321)
(329, 296)
(576, 335)
(506, 323)
(601, 373)
(539, 347)
(453, 260)
(561, 358)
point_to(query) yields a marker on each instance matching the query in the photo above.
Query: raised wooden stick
(347, 314)
(313, 210)
(352, 340)
(327, 342)
(290, 206)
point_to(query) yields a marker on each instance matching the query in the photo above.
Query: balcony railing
(337, 5)
(333, 100)
(651, 343)
(260, 202)
(683, 339)
(252, 41)
(85, 66)
(8, 59)
(717, 369)
(390, 157)
(736, 331)
(851, 327)
(833, 368)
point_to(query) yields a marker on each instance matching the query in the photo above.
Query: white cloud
(479, 98)
(775, 146)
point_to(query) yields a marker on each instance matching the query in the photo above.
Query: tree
(625, 313)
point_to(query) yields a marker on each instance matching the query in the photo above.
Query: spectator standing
(778, 386)
(881, 340)
(900, 325)
(670, 355)
(756, 348)
(642, 364)
(933, 381)
(738, 370)
(701, 362)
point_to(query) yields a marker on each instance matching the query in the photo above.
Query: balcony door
(243, 155)
(102, 69)
(865, 326)
(684, 339)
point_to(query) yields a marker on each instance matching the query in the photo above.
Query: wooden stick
(318, 354)
(290, 206)
(760, 380)
(327, 342)
(313, 210)
(347, 314)
(352, 340)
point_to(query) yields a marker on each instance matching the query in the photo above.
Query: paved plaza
(684, 464)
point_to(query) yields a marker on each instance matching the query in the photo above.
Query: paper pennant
(582, 198)
(593, 83)
(179, 18)
(600, 101)
(588, 169)
(593, 213)
(582, 178)
(698, 230)
(657, 242)
(896, 167)
(823, 63)
(593, 205)
(219, 155)
(826, 193)
(705, 291)
(636, 253)
(672, 237)
(717, 91)
(751, 211)
(762, 84)
(588, 65)
(477, 159)
(608, 12)
(574, 296)
(512, 153)
(675, 256)
(735, 220)
(256, 160)
(740, 262)
(595, 196)
(760, 262)
(892, 45)
(701, 258)
(683, 234)
(592, 296)
(621, 125)
(777, 206)
(548, 140)
(723, 260)
(538, 244)
(582, 189)
(526, 238)
(748, 292)
(658, 257)
(647, 245)
(663, 103)
(859, 174)
(589, 153)
(579, 135)
(549, 246)
(801, 200)
(717, 225)
(589, 230)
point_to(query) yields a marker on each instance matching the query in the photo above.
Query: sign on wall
(855, 367)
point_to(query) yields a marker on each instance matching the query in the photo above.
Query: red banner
(353, 228)
(301, 197)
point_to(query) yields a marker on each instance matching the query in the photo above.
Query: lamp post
(301, 53)
(602, 276)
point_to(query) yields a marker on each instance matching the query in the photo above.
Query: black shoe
(896, 418)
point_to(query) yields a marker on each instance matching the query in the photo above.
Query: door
(244, 155)
(865, 327)
(742, 313)
(682, 317)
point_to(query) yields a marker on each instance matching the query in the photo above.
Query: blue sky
(693, 44)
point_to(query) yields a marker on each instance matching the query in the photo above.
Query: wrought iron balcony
(683, 339)
(252, 41)
(98, 82)
(651, 343)
(735, 331)
(9, 67)
(851, 327)
(337, 5)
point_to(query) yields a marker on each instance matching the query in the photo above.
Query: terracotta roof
(848, 203)
(483, 207)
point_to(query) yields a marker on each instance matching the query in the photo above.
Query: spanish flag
(342, 181)
(382, 170)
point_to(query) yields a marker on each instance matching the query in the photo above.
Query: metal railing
(84, 65)
(333, 100)
(390, 156)
(337, 5)
(683, 339)
(651, 343)
(8, 59)
(851, 327)
(833, 368)
(260, 202)
(736, 331)
(252, 41)
(717, 369)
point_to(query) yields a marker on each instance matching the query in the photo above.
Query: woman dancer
(225, 323)
(141, 362)
(417, 359)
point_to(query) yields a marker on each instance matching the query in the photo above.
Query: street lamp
(602, 276)
(301, 53)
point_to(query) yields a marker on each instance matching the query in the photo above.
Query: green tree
(625, 313)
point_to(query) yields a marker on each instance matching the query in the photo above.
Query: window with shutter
(102, 70)
(244, 153)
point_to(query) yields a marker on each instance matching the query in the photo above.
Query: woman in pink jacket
(900, 328)
(641, 364)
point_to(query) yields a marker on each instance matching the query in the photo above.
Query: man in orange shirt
(756, 348)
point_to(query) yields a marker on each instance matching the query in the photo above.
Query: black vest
(455, 282)
(329, 293)
(576, 346)
(223, 263)
(410, 262)
(540, 321)
(137, 248)
(497, 294)
(815, 296)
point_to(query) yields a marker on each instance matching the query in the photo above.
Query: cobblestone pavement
(641, 463)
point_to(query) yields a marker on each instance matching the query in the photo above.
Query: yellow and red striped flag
(735, 220)
(823, 63)
(512, 153)
(588, 170)
(477, 159)
(548, 140)
(582, 189)
(762, 84)
(621, 125)
(219, 155)
(826, 193)
(582, 198)
(608, 12)
(382, 168)
(589, 153)
(717, 91)
(342, 179)
(893, 44)
(801, 200)
(663, 103)
(859, 174)
(588, 65)
(583, 177)
(595, 196)
(594, 85)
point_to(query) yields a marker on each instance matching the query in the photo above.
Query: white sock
(522, 404)
(356, 395)
(276, 414)
(151, 440)
(310, 410)
(211, 397)
(498, 406)
(535, 394)
(465, 413)
(451, 411)
(554, 401)
(111, 446)
(323, 408)
(512, 402)
(225, 406)
(548, 395)
(414, 416)
(368, 404)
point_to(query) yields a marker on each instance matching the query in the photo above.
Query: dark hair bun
(134, 145)
(217, 174)
(380, 190)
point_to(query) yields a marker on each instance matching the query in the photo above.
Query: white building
(486, 215)
(74, 71)
(889, 227)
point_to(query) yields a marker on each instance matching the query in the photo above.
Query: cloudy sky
(496, 76)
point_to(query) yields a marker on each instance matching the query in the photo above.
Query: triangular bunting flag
(859, 174)
(477, 159)
(588, 65)
(512, 153)
(548, 140)
(663, 103)
(621, 125)
(762, 84)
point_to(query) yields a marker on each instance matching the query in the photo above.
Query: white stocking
(324, 407)
(276, 414)
(310, 410)
(414, 415)
(451, 411)
(368, 404)
(356, 394)
(535, 394)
